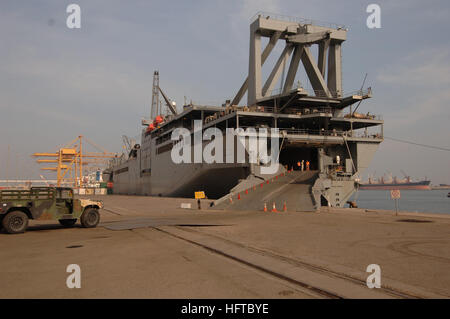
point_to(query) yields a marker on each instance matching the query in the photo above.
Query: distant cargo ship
(441, 186)
(395, 184)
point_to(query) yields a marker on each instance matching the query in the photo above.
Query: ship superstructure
(317, 125)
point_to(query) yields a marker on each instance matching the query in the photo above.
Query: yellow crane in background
(70, 160)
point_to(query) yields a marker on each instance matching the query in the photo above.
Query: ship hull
(153, 168)
(424, 185)
(176, 180)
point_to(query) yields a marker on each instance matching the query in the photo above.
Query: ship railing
(279, 91)
(327, 94)
(294, 131)
(361, 92)
(317, 93)
(360, 116)
(322, 132)
(376, 135)
(308, 110)
(288, 110)
(302, 21)
(321, 93)
(257, 108)
(233, 109)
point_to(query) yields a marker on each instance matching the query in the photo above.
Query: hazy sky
(57, 83)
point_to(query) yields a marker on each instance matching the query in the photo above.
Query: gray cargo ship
(395, 183)
(317, 126)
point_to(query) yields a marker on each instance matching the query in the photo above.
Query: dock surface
(149, 247)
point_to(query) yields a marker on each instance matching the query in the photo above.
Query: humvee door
(64, 201)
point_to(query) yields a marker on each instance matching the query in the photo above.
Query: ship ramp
(290, 191)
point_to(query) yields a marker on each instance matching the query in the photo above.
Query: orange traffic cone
(265, 207)
(239, 195)
(284, 207)
(262, 184)
(246, 191)
(267, 182)
(274, 209)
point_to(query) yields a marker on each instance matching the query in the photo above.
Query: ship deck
(299, 121)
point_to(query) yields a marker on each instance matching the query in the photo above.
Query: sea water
(426, 201)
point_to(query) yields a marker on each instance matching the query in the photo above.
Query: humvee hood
(87, 202)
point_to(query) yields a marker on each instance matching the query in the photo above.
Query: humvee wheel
(15, 222)
(67, 222)
(90, 218)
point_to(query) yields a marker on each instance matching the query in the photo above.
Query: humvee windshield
(64, 193)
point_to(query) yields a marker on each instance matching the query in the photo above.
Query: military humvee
(46, 203)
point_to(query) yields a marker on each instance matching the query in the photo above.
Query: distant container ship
(393, 183)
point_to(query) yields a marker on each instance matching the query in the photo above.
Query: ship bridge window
(163, 138)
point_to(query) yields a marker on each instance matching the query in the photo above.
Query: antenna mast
(155, 96)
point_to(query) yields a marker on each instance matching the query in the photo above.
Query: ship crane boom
(168, 102)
